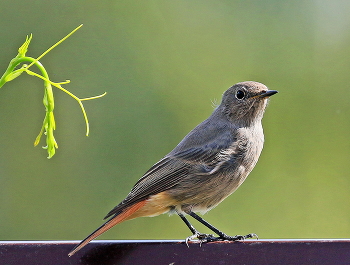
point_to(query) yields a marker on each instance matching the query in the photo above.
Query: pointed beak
(267, 93)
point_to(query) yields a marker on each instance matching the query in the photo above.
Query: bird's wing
(198, 158)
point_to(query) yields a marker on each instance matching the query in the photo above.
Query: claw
(248, 236)
(238, 237)
(202, 238)
(190, 238)
(251, 236)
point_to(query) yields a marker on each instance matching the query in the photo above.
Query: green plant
(13, 71)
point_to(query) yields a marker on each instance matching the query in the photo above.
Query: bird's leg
(222, 236)
(189, 225)
(196, 235)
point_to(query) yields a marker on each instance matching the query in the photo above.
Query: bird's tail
(109, 224)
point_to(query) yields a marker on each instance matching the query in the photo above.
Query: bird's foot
(204, 238)
(236, 238)
(201, 238)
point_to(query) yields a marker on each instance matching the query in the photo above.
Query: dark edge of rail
(313, 251)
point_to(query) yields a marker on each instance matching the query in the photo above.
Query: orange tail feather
(107, 225)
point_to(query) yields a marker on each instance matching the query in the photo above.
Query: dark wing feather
(195, 151)
(162, 176)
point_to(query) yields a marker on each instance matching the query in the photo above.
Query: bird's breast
(207, 185)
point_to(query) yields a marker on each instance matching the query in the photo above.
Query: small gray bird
(209, 164)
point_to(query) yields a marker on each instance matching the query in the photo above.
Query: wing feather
(203, 156)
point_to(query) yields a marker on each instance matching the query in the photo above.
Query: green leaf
(24, 48)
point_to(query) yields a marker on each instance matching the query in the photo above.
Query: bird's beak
(267, 93)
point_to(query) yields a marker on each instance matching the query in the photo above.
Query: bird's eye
(240, 94)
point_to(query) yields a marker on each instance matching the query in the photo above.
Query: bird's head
(244, 103)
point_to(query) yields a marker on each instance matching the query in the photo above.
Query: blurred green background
(163, 63)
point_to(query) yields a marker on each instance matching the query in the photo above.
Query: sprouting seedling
(49, 124)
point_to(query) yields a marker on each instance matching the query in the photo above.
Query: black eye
(240, 94)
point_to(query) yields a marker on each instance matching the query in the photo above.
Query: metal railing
(176, 252)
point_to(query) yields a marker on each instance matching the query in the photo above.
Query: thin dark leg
(195, 234)
(189, 225)
(222, 236)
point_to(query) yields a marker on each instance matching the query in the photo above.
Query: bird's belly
(202, 193)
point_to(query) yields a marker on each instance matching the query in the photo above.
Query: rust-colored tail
(107, 225)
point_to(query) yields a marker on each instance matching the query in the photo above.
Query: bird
(208, 165)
